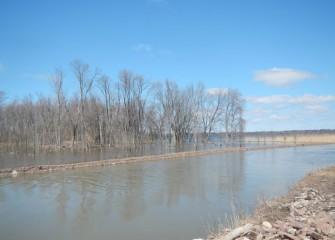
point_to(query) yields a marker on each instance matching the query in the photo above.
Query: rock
(325, 228)
(267, 226)
(252, 235)
(297, 225)
(289, 236)
(237, 232)
(321, 215)
(309, 216)
(242, 238)
(302, 211)
(259, 237)
(292, 231)
(316, 236)
(15, 173)
(332, 232)
(300, 204)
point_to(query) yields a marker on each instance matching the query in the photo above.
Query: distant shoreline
(283, 137)
(110, 162)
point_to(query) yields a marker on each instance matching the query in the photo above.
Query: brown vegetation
(281, 137)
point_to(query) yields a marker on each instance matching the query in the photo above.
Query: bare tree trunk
(57, 85)
(85, 79)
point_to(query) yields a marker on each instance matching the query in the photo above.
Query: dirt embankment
(306, 213)
(49, 168)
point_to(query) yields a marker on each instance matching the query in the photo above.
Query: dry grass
(239, 217)
(305, 138)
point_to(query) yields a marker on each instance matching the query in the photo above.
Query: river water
(168, 199)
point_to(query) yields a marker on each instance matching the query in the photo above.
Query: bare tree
(233, 114)
(211, 109)
(177, 106)
(85, 78)
(131, 91)
(2, 116)
(57, 81)
(104, 85)
(126, 113)
(73, 116)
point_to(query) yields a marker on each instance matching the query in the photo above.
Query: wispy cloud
(216, 91)
(279, 117)
(143, 48)
(150, 50)
(39, 76)
(281, 77)
(302, 99)
(2, 67)
(268, 99)
(285, 112)
(316, 108)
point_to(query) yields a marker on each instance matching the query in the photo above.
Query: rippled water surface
(168, 199)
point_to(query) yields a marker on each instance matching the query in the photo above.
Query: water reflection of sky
(170, 199)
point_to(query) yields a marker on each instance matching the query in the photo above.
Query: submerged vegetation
(126, 112)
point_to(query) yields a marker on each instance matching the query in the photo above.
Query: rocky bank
(306, 213)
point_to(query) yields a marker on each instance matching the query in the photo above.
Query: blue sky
(280, 54)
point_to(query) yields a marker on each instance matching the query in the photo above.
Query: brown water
(168, 199)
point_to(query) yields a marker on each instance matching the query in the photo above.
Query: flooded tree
(85, 77)
(131, 90)
(2, 117)
(104, 85)
(232, 120)
(179, 110)
(57, 81)
(125, 113)
(211, 104)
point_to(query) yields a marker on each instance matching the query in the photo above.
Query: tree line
(127, 112)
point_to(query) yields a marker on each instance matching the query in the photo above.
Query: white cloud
(149, 50)
(316, 108)
(143, 48)
(308, 99)
(302, 99)
(268, 99)
(281, 77)
(278, 117)
(40, 76)
(216, 91)
(286, 112)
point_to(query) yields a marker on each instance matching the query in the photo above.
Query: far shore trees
(85, 77)
(123, 113)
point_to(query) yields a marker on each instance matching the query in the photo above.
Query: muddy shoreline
(110, 162)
